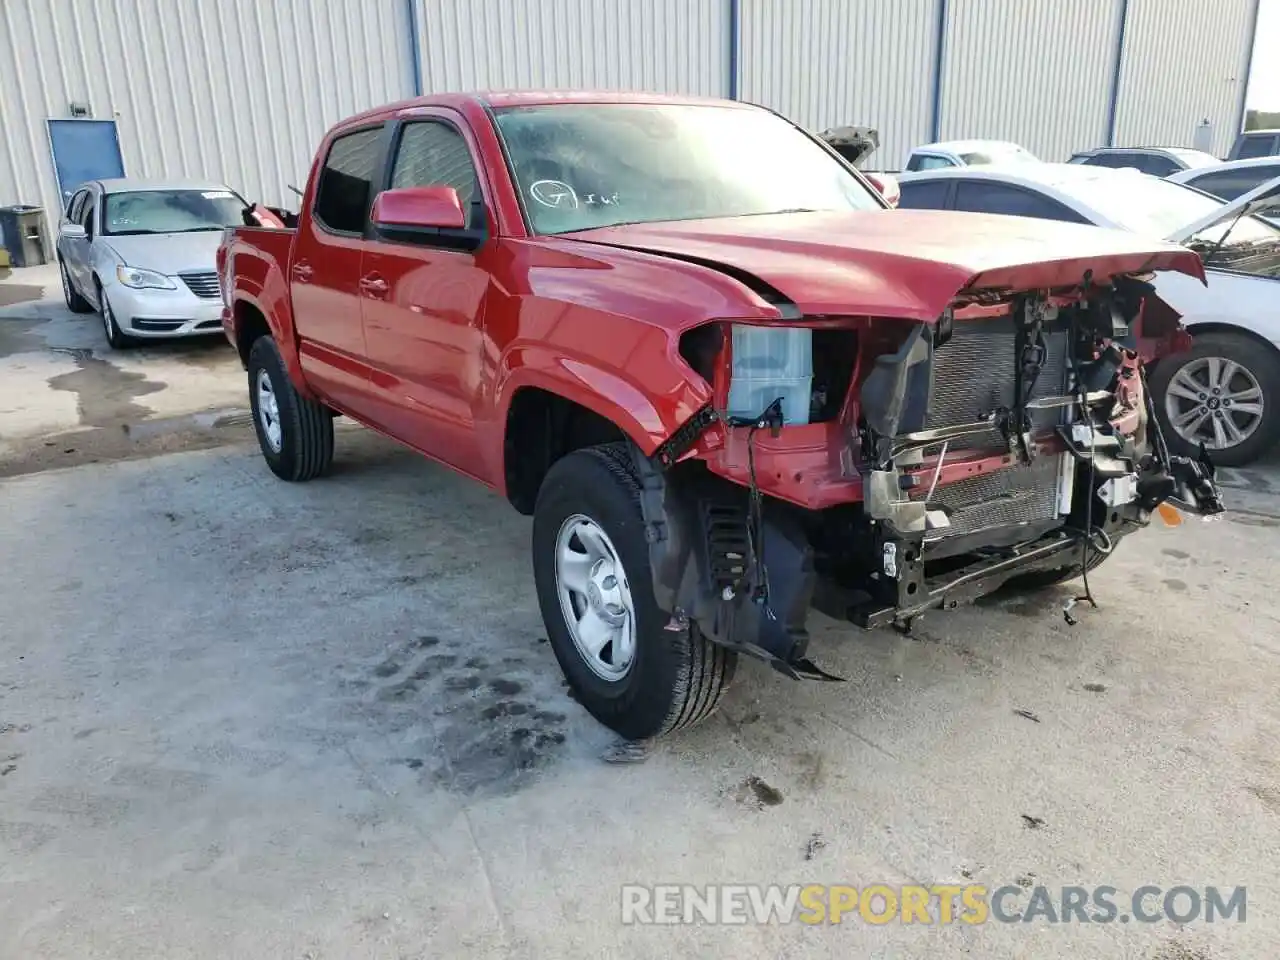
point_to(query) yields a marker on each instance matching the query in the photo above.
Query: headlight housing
(141, 279)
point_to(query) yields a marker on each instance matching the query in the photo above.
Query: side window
(1118, 160)
(1229, 184)
(435, 154)
(924, 195)
(926, 161)
(1256, 147)
(1157, 165)
(344, 191)
(984, 197)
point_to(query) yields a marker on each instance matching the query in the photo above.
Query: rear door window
(1157, 165)
(924, 195)
(346, 181)
(985, 197)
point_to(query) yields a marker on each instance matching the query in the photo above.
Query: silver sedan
(141, 254)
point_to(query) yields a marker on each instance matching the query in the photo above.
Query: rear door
(324, 274)
(422, 301)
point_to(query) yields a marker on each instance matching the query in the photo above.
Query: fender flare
(611, 394)
(249, 293)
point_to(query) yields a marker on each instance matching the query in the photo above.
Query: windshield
(171, 211)
(998, 153)
(1160, 208)
(579, 166)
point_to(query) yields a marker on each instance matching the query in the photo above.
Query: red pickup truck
(728, 382)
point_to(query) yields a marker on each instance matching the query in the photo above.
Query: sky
(1264, 77)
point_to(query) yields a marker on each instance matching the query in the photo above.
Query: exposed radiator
(1017, 494)
(973, 374)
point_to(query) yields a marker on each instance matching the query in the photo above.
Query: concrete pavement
(251, 719)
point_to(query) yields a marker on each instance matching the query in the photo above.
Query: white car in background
(967, 153)
(141, 253)
(1225, 391)
(1231, 179)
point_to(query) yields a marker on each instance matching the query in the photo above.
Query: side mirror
(434, 208)
(72, 231)
(887, 186)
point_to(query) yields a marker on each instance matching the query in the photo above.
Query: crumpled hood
(897, 263)
(169, 253)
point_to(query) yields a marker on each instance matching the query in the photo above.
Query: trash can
(23, 233)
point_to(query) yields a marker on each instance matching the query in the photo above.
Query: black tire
(676, 678)
(306, 428)
(116, 338)
(75, 302)
(1261, 362)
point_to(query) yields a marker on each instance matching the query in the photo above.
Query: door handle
(302, 272)
(373, 285)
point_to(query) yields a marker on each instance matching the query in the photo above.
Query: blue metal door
(83, 150)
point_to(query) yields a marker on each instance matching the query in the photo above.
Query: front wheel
(75, 302)
(1225, 393)
(294, 432)
(116, 338)
(595, 588)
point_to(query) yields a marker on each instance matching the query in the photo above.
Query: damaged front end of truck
(1010, 438)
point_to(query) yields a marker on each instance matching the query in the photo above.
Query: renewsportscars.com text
(815, 904)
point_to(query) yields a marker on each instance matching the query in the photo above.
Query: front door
(325, 270)
(422, 306)
(83, 150)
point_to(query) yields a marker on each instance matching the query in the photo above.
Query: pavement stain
(105, 394)
(755, 792)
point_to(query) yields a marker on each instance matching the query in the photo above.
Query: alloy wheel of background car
(1220, 393)
(1214, 400)
(75, 302)
(116, 338)
(595, 597)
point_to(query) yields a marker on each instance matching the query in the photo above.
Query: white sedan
(141, 253)
(1225, 391)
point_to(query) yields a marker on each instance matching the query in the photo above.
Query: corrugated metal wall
(671, 46)
(1184, 61)
(827, 63)
(233, 90)
(1037, 73)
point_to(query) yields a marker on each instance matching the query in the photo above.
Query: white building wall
(233, 90)
(828, 63)
(1038, 73)
(669, 46)
(1184, 61)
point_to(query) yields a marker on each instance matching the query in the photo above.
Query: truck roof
(529, 98)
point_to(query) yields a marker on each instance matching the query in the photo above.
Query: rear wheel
(75, 302)
(591, 567)
(294, 433)
(1223, 392)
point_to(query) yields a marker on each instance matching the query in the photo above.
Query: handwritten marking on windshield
(554, 193)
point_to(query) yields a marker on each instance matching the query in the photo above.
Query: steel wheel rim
(595, 598)
(269, 412)
(1214, 401)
